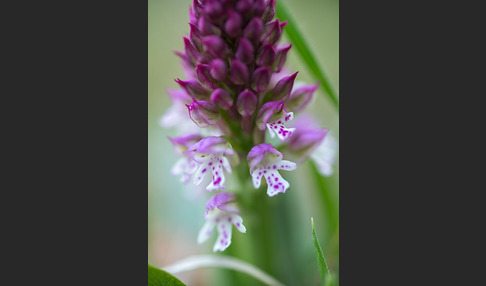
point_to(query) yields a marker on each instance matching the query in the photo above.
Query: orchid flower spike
(210, 154)
(221, 212)
(265, 161)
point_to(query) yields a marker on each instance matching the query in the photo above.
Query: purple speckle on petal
(229, 219)
(238, 224)
(204, 170)
(274, 166)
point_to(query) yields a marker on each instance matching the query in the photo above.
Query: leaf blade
(321, 260)
(159, 277)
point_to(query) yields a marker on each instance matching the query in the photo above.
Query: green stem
(307, 56)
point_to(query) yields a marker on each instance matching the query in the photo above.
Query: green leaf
(326, 278)
(307, 56)
(158, 277)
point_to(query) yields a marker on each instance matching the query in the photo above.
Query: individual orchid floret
(306, 138)
(185, 166)
(176, 115)
(203, 113)
(221, 213)
(265, 161)
(210, 154)
(272, 116)
(325, 155)
(300, 97)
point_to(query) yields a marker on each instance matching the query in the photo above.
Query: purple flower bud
(215, 46)
(283, 87)
(269, 112)
(258, 8)
(300, 97)
(222, 98)
(269, 11)
(196, 37)
(233, 24)
(246, 103)
(204, 77)
(191, 53)
(260, 79)
(245, 51)
(244, 6)
(207, 27)
(213, 9)
(281, 57)
(272, 32)
(254, 30)
(219, 70)
(197, 7)
(238, 72)
(266, 56)
(203, 113)
(192, 16)
(257, 154)
(194, 89)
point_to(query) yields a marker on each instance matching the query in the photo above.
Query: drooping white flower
(221, 213)
(210, 154)
(265, 161)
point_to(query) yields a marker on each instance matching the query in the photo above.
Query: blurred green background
(176, 213)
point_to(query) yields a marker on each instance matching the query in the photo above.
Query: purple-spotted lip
(257, 154)
(221, 201)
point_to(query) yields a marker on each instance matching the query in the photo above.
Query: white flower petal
(179, 166)
(238, 222)
(224, 234)
(201, 173)
(286, 165)
(276, 184)
(206, 231)
(257, 177)
(226, 164)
